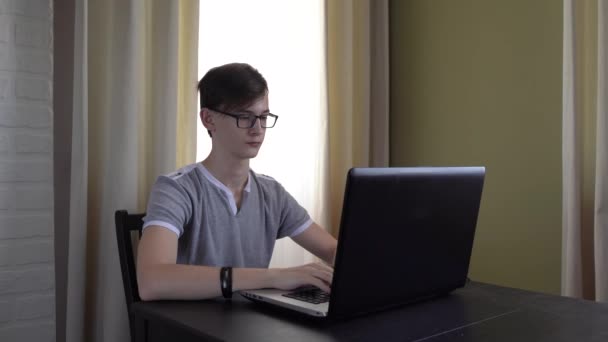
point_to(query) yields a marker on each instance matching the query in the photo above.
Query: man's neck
(232, 173)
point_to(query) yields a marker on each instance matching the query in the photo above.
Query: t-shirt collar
(221, 185)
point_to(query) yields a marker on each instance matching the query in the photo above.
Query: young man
(210, 227)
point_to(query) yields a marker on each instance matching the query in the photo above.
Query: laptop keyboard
(312, 295)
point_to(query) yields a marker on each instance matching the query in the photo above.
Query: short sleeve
(169, 205)
(294, 218)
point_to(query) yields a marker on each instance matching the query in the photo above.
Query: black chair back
(126, 225)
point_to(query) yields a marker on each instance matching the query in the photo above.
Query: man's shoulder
(264, 178)
(185, 178)
(266, 182)
(185, 171)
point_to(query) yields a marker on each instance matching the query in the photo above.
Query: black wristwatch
(226, 282)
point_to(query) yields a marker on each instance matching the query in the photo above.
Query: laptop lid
(406, 234)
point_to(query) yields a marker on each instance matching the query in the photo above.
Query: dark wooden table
(477, 312)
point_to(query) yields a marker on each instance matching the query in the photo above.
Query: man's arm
(159, 277)
(319, 242)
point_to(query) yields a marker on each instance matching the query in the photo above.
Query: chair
(126, 225)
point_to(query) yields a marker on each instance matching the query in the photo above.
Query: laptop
(406, 235)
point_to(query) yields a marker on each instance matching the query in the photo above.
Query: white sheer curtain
(585, 150)
(285, 41)
(134, 112)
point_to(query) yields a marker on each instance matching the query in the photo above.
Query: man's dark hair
(231, 87)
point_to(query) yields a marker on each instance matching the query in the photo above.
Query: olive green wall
(478, 82)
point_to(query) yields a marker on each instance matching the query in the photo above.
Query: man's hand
(316, 274)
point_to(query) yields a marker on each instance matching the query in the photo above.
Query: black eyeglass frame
(248, 116)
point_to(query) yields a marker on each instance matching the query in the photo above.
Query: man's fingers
(324, 275)
(315, 274)
(316, 267)
(323, 266)
(320, 271)
(320, 284)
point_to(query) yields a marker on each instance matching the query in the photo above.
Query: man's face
(240, 143)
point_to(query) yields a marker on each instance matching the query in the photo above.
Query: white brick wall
(27, 294)
(4, 85)
(5, 29)
(33, 89)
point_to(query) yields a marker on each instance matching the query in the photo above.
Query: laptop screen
(406, 234)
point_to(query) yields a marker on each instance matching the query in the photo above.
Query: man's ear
(207, 119)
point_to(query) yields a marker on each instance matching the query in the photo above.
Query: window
(285, 41)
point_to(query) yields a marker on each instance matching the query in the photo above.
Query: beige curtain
(585, 150)
(358, 91)
(134, 117)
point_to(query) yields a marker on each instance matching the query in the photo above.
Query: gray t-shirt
(211, 231)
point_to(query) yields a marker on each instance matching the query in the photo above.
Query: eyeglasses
(248, 120)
